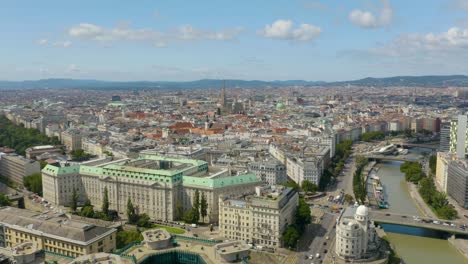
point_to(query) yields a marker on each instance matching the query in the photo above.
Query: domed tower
(362, 214)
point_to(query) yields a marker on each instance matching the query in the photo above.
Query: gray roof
(53, 225)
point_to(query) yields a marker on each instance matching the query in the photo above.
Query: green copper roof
(220, 182)
(49, 169)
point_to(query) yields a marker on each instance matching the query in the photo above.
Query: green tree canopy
(290, 237)
(308, 186)
(4, 201)
(33, 183)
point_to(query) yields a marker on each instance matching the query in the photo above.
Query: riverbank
(459, 244)
(423, 208)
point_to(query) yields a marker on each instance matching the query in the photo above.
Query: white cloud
(42, 42)
(85, 30)
(451, 41)
(367, 19)
(64, 44)
(88, 31)
(463, 4)
(283, 29)
(72, 68)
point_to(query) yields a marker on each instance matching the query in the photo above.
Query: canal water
(415, 245)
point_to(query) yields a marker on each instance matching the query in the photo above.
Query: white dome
(362, 210)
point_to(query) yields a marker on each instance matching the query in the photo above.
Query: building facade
(270, 171)
(459, 136)
(54, 232)
(356, 238)
(15, 167)
(260, 219)
(445, 137)
(457, 181)
(155, 184)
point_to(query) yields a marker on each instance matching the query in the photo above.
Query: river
(415, 245)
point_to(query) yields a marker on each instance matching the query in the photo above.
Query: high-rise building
(459, 136)
(457, 181)
(445, 137)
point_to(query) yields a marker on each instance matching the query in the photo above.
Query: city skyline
(310, 40)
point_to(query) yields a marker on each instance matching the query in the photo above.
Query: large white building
(356, 238)
(308, 163)
(459, 136)
(157, 185)
(261, 218)
(15, 167)
(269, 171)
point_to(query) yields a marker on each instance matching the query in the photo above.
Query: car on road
(325, 251)
(436, 222)
(387, 214)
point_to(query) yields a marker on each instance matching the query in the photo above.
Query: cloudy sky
(257, 39)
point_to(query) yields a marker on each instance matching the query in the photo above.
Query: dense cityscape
(225, 132)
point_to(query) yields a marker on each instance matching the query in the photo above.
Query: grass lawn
(173, 230)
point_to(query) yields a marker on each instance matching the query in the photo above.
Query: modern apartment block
(457, 181)
(445, 137)
(260, 218)
(14, 167)
(54, 232)
(459, 136)
(155, 184)
(269, 171)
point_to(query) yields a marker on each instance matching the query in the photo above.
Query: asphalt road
(314, 239)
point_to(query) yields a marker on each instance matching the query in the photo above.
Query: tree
(196, 203)
(290, 237)
(291, 184)
(191, 216)
(20, 138)
(4, 201)
(80, 155)
(127, 237)
(203, 207)
(144, 221)
(33, 183)
(105, 202)
(308, 186)
(348, 198)
(131, 212)
(433, 164)
(303, 215)
(218, 111)
(74, 200)
(87, 211)
(179, 209)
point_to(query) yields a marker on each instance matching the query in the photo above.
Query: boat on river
(378, 193)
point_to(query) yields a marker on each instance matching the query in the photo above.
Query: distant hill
(411, 81)
(95, 84)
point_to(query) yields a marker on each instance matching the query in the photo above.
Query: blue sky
(268, 40)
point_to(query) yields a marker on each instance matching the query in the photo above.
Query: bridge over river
(389, 157)
(452, 227)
